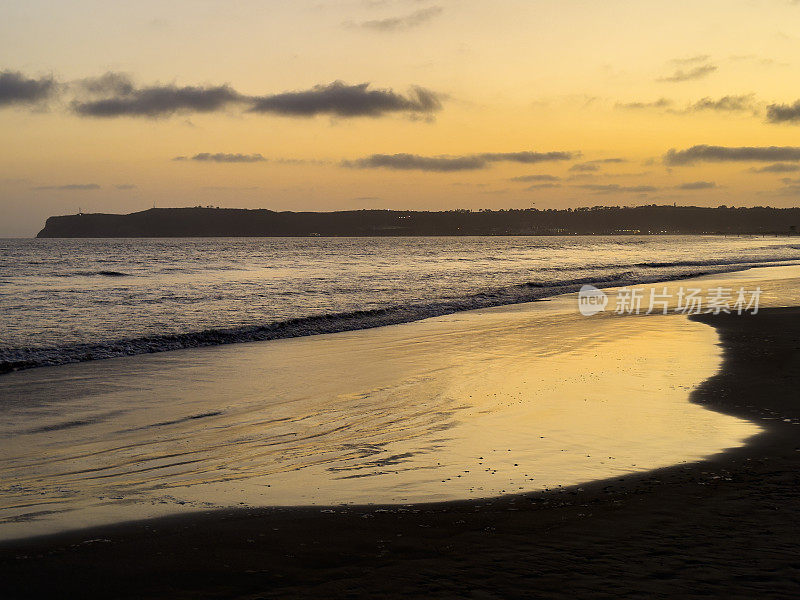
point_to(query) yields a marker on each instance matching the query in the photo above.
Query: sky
(114, 107)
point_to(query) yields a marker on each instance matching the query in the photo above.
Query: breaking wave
(13, 359)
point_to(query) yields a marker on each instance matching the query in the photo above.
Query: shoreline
(725, 526)
(24, 358)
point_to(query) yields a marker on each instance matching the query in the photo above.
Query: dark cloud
(471, 162)
(222, 157)
(345, 100)
(530, 178)
(123, 99)
(696, 185)
(421, 163)
(401, 23)
(69, 186)
(695, 73)
(15, 88)
(784, 113)
(777, 168)
(732, 154)
(613, 187)
(125, 186)
(116, 95)
(110, 83)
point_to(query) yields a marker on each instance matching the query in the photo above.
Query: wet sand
(476, 405)
(726, 527)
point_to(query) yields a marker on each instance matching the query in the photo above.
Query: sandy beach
(477, 404)
(726, 526)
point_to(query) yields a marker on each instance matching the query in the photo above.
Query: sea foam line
(15, 359)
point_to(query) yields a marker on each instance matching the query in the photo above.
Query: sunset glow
(613, 85)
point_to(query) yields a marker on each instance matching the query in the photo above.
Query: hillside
(227, 222)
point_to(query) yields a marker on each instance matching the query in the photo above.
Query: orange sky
(457, 90)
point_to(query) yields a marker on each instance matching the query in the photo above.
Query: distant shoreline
(230, 222)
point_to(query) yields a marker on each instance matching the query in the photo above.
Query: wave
(13, 359)
(708, 263)
(93, 274)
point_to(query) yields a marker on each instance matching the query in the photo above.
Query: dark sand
(728, 527)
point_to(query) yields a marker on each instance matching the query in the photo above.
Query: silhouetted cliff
(228, 222)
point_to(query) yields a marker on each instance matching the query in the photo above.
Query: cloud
(760, 60)
(69, 186)
(784, 113)
(725, 104)
(344, 100)
(744, 102)
(528, 178)
(222, 157)
(696, 185)
(107, 84)
(471, 162)
(420, 163)
(777, 168)
(528, 157)
(114, 95)
(582, 176)
(660, 103)
(123, 99)
(406, 22)
(591, 166)
(613, 187)
(699, 58)
(125, 186)
(732, 154)
(584, 168)
(791, 186)
(15, 88)
(542, 186)
(695, 73)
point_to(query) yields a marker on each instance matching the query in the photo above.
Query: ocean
(72, 300)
